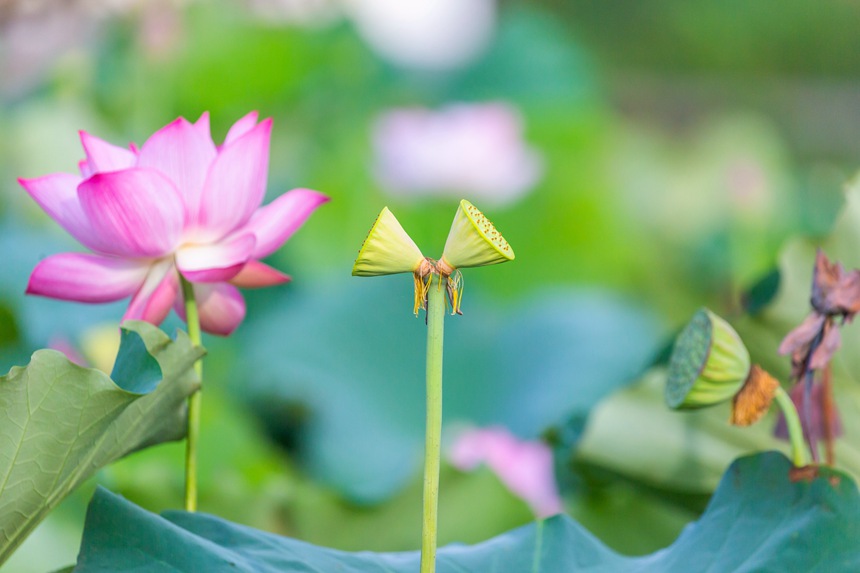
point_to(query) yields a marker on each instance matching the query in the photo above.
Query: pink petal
(524, 467)
(183, 155)
(829, 344)
(241, 127)
(802, 335)
(277, 221)
(202, 126)
(84, 168)
(220, 305)
(57, 195)
(86, 278)
(136, 212)
(217, 262)
(256, 275)
(153, 300)
(103, 156)
(236, 183)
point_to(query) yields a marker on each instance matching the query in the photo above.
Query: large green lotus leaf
(339, 370)
(758, 520)
(63, 422)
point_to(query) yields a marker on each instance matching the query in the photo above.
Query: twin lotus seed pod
(710, 364)
(473, 241)
(387, 250)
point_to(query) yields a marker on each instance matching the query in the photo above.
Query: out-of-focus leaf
(534, 61)
(635, 434)
(396, 524)
(64, 422)
(679, 38)
(762, 293)
(244, 478)
(769, 523)
(350, 355)
(628, 516)
(9, 334)
(606, 462)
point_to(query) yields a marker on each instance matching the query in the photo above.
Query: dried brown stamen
(753, 399)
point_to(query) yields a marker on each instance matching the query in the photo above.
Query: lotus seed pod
(473, 240)
(709, 363)
(387, 250)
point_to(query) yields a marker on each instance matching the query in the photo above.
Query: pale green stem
(192, 319)
(795, 430)
(433, 443)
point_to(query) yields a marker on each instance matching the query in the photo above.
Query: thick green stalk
(192, 319)
(795, 430)
(433, 444)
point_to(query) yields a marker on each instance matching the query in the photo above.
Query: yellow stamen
(421, 276)
(455, 291)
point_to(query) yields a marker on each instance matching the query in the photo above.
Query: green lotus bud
(473, 241)
(387, 250)
(709, 363)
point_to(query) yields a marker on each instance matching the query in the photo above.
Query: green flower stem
(433, 443)
(795, 430)
(192, 319)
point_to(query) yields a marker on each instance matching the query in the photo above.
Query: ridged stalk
(192, 320)
(433, 443)
(795, 430)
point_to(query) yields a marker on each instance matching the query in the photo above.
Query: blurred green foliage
(769, 37)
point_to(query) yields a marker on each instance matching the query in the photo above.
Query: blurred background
(643, 158)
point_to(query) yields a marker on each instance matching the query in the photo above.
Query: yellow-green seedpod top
(473, 241)
(387, 250)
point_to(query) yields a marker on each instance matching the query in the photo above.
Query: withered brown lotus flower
(835, 294)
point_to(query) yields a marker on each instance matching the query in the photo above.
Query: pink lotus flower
(475, 150)
(178, 203)
(524, 467)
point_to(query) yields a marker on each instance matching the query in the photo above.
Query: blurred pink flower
(475, 150)
(62, 344)
(178, 203)
(524, 467)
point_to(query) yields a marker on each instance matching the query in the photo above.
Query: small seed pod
(387, 250)
(473, 241)
(709, 363)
